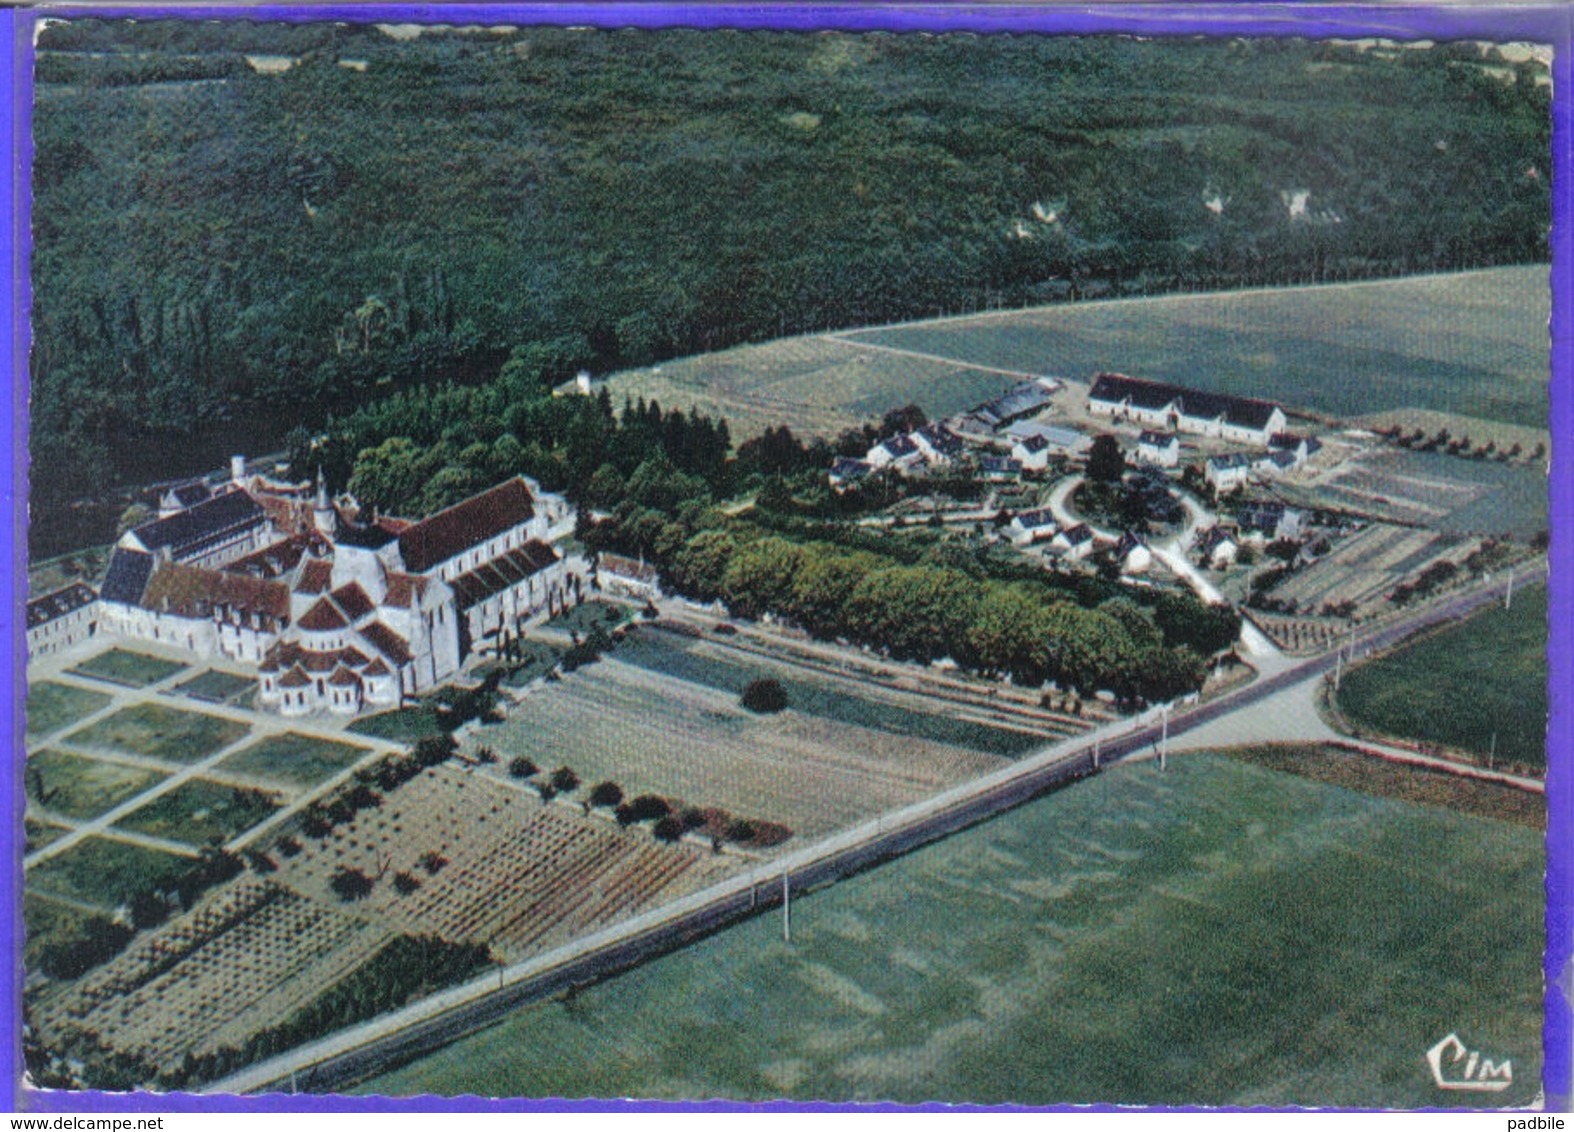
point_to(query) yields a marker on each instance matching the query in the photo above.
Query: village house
(999, 469)
(898, 452)
(1161, 449)
(1270, 521)
(1227, 472)
(1033, 526)
(618, 575)
(1073, 543)
(846, 472)
(1133, 554)
(1217, 548)
(939, 444)
(1061, 441)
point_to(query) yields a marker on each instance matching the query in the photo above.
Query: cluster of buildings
(337, 610)
(1256, 523)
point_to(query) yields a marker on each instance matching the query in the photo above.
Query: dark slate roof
(435, 540)
(1129, 541)
(1288, 441)
(899, 446)
(845, 467)
(374, 537)
(189, 494)
(1042, 517)
(1029, 397)
(127, 578)
(1114, 388)
(1230, 460)
(941, 439)
(1035, 443)
(999, 465)
(42, 610)
(1158, 439)
(223, 514)
(1078, 534)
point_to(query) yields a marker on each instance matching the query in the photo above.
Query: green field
(216, 687)
(1473, 343)
(403, 725)
(37, 834)
(78, 787)
(103, 872)
(160, 732)
(1219, 933)
(293, 758)
(51, 706)
(199, 812)
(48, 923)
(1458, 687)
(134, 669)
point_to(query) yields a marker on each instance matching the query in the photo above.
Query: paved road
(354, 1054)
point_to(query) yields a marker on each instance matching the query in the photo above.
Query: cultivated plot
(103, 872)
(159, 732)
(293, 758)
(1217, 934)
(81, 788)
(51, 706)
(649, 731)
(125, 666)
(216, 687)
(1480, 686)
(200, 812)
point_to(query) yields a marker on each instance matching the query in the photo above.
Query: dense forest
(222, 252)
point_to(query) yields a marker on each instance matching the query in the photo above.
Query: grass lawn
(51, 706)
(103, 872)
(161, 732)
(538, 660)
(216, 687)
(1459, 686)
(293, 758)
(1216, 934)
(38, 833)
(134, 669)
(82, 788)
(198, 812)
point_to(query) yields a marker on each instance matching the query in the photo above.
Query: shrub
(522, 767)
(351, 884)
(606, 794)
(565, 780)
(648, 806)
(406, 883)
(764, 696)
(432, 861)
(741, 831)
(668, 829)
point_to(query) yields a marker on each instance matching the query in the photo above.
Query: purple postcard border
(1537, 22)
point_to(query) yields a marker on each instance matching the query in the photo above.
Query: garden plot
(103, 872)
(73, 786)
(132, 669)
(293, 759)
(51, 706)
(216, 687)
(474, 860)
(245, 958)
(200, 812)
(1363, 568)
(160, 732)
(652, 732)
(37, 833)
(1432, 489)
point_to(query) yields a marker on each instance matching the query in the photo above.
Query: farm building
(618, 575)
(1274, 463)
(899, 452)
(1298, 448)
(1032, 453)
(845, 471)
(337, 615)
(1161, 449)
(1029, 527)
(1217, 548)
(58, 620)
(1023, 400)
(1159, 405)
(1228, 471)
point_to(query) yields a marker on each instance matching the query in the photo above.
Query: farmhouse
(336, 614)
(1132, 553)
(1073, 543)
(58, 620)
(1288, 451)
(1161, 449)
(999, 469)
(618, 575)
(845, 472)
(1159, 405)
(1270, 520)
(1062, 441)
(938, 444)
(1228, 471)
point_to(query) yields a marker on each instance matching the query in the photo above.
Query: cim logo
(1455, 1067)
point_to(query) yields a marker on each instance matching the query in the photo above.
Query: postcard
(924, 556)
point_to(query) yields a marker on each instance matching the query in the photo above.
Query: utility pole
(1164, 733)
(1508, 594)
(786, 910)
(1338, 663)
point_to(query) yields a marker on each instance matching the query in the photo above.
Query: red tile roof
(353, 600)
(322, 616)
(387, 642)
(435, 540)
(404, 590)
(194, 591)
(316, 577)
(343, 676)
